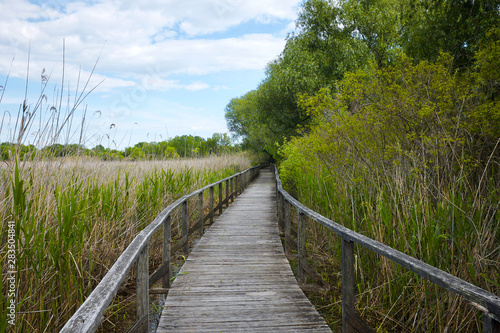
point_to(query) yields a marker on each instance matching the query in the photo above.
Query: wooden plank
(139, 325)
(237, 278)
(291, 243)
(180, 244)
(158, 274)
(159, 290)
(197, 226)
(313, 274)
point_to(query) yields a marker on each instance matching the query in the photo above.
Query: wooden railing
(485, 301)
(90, 314)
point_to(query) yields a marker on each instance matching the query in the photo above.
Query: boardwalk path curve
(237, 278)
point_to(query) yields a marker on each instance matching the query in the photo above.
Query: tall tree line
(333, 38)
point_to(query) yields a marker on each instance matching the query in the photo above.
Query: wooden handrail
(89, 315)
(485, 301)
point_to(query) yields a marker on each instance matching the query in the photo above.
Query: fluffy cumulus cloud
(134, 38)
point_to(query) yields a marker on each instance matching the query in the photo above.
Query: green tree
(453, 26)
(317, 55)
(242, 117)
(376, 24)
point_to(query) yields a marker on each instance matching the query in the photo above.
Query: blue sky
(164, 67)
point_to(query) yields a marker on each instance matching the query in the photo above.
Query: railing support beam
(348, 285)
(142, 292)
(201, 211)
(227, 193)
(301, 244)
(220, 198)
(167, 247)
(490, 325)
(212, 204)
(288, 224)
(185, 227)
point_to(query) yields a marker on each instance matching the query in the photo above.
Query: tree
(242, 117)
(317, 55)
(375, 23)
(453, 26)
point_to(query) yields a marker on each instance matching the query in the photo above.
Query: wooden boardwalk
(237, 278)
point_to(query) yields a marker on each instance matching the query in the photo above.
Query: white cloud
(142, 47)
(154, 83)
(135, 36)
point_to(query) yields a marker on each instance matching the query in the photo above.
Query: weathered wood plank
(237, 278)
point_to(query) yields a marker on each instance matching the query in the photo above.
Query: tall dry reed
(74, 217)
(448, 225)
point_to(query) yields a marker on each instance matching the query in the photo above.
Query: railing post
(185, 226)
(301, 245)
(201, 211)
(279, 200)
(220, 198)
(348, 285)
(490, 325)
(227, 193)
(142, 290)
(167, 234)
(288, 226)
(232, 189)
(236, 185)
(239, 181)
(212, 204)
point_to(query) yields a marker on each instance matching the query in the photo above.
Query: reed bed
(450, 225)
(74, 216)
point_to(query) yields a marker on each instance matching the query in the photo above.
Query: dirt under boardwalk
(237, 278)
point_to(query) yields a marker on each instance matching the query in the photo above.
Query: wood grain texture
(237, 278)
